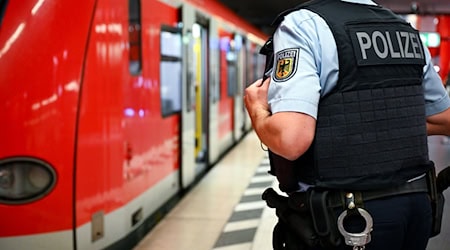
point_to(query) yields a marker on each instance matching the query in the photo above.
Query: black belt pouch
(437, 202)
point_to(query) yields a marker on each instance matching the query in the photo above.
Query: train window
(2, 9)
(171, 70)
(252, 71)
(260, 64)
(214, 70)
(232, 71)
(257, 62)
(134, 36)
(239, 43)
(232, 78)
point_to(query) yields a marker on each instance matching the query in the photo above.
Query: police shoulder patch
(286, 64)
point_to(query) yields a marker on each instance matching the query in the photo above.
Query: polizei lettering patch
(375, 44)
(286, 61)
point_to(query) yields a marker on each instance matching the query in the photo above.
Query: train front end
(42, 48)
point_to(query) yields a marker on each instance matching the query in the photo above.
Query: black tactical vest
(371, 130)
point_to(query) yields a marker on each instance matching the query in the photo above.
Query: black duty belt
(337, 198)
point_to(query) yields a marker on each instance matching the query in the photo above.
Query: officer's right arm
(439, 124)
(437, 101)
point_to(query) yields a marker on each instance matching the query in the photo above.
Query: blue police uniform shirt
(316, 68)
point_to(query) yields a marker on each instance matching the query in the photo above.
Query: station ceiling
(261, 13)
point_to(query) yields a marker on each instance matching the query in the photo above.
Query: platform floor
(224, 211)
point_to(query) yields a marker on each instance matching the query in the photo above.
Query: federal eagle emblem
(286, 64)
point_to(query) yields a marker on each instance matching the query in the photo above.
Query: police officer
(351, 97)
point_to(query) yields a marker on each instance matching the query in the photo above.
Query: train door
(188, 103)
(250, 76)
(128, 130)
(194, 91)
(200, 76)
(231, 81)
(238, 71)
(255, 68)
(214, 92)
(222, 92)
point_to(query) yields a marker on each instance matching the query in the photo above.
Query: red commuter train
(112, 109)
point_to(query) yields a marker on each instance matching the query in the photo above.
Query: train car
(435, 34)
(111, 110)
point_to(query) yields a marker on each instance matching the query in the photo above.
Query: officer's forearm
(437, 129)
(439, 124)
(260, 117)
(288, 134)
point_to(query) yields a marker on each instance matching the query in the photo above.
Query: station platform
(224, 210)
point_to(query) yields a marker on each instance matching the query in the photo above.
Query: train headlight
(24, 180)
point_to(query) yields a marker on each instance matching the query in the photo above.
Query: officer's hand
(256, 97)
